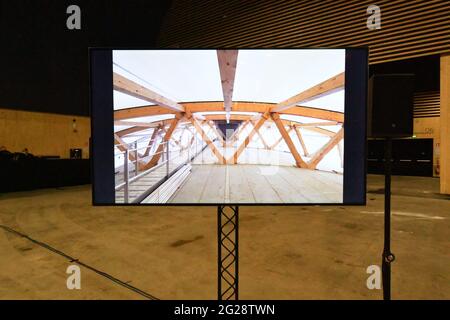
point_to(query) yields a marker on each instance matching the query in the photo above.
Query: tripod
(387, 256)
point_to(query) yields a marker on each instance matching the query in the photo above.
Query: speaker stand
(387, 256)
(228, 252)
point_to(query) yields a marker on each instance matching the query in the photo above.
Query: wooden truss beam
(192, 139)
(233, 159)
(227, 65)
(122, 146)
(261, 136)
(131, 130)
(136, 112)
(216, 132)
(182, 133)
(245, 117)
(322, 89)
(321, 131)
(138, 128)
(239, 129)
(135, 124)
(191, 107)
(319, 155)
(298, 159)
(213, 126)
(155, 159)
(127, 86)
(208, 141)
(235, 136)
(280, 139)
(341, 155)
(177, 142)
(318, 124)
(152, 140)
(302, 142)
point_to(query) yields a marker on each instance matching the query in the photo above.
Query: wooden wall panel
(429, 127)
(426, 104)
(408, 28)
(445, 124)
(43, 133)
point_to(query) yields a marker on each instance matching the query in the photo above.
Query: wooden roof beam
(136, 124)
(341, 154)
(158, 153)
(235, 136)
(280, 139)
(208, 141)
(152, 141)
(327, 87)
(216, 131)
(318, 124)
(319, 155)
(142, 111)
(266, 146)
(128, 131)
(127, 86)
(298, 159)
(122, 146)
(233, 159)
(227, 65)
(300, 139)
(192, 107)
(321, 131)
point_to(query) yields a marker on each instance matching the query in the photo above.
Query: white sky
(261, 75)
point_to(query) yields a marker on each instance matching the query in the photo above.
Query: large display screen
(228, 126)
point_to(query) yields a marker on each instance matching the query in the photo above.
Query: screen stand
(387, 256)
(227, 254)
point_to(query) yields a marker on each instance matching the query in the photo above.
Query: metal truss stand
(387, 256)
(228, 257)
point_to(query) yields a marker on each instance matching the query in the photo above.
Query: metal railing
(171, 159)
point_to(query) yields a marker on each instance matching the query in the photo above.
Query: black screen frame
(102, 129)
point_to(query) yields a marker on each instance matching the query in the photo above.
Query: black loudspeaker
(390, 105)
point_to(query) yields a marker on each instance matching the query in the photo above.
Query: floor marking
(408, 214)
(77, 261)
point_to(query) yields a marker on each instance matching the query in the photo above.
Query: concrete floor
(285, 252)
(209, 183)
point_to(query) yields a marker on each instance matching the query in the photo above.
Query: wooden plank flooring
(209, 183)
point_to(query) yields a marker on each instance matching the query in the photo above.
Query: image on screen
(229, 126)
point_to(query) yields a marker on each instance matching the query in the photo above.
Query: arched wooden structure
(193, 115)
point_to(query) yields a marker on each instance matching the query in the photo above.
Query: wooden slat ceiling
(426, 104)
(408, 28)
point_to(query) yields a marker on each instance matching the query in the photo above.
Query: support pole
(125, 176)
(167, 159)
(387, 256)
(136, 158)
(228, 252)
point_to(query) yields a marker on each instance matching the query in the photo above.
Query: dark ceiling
(44, 66)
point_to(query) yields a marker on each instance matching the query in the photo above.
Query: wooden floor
(259, 184)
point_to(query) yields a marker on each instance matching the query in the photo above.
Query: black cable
(73, 260)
